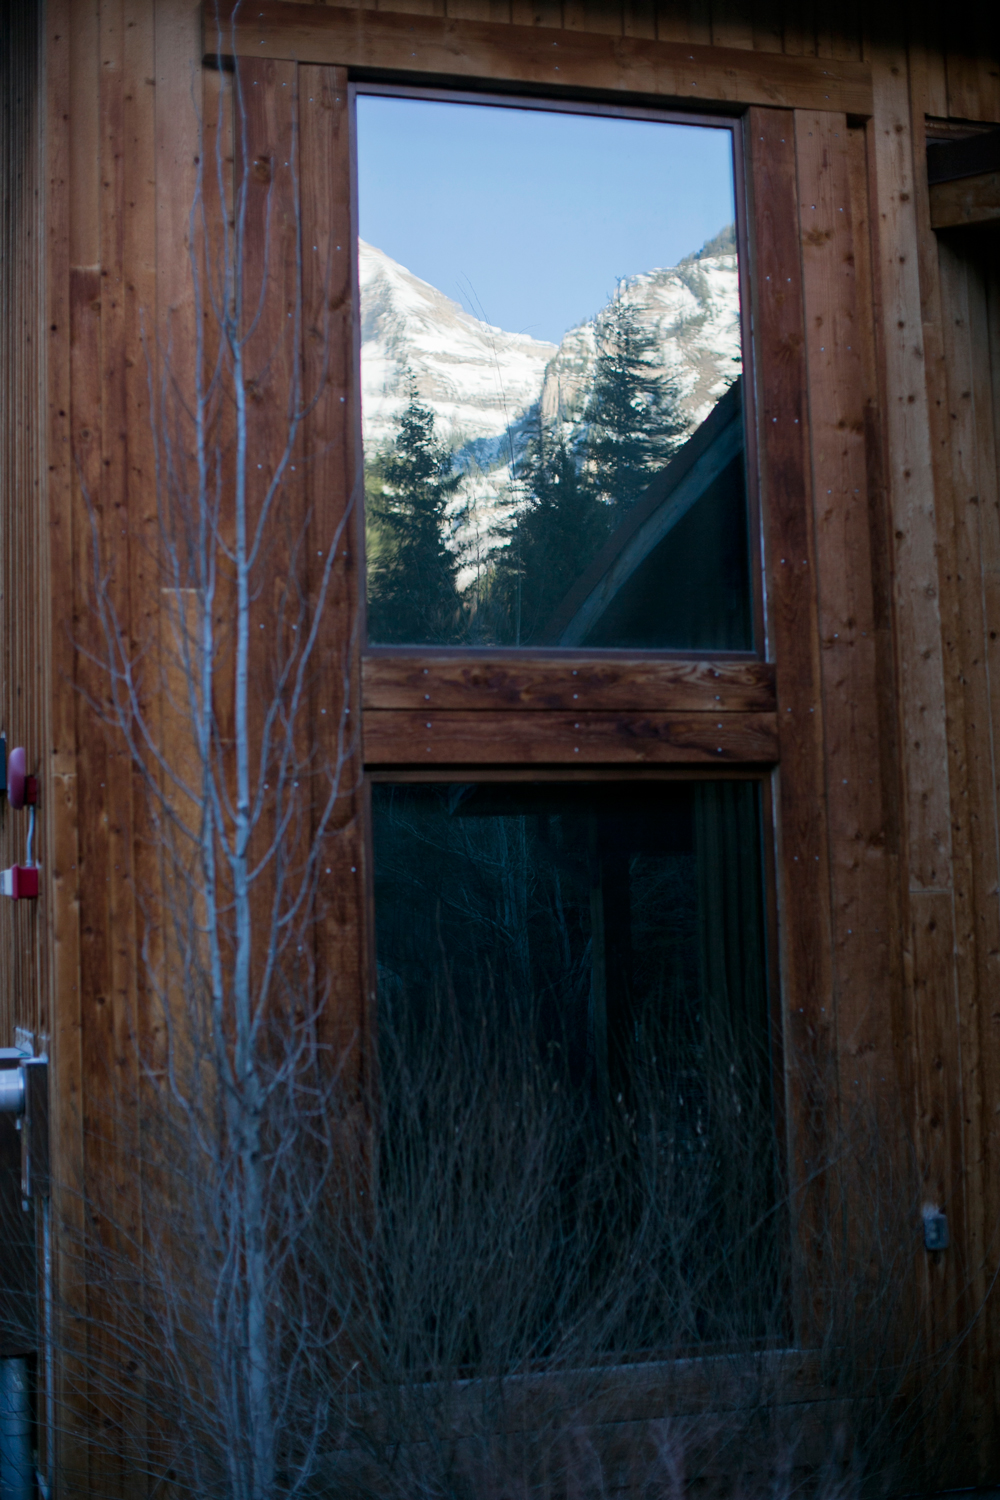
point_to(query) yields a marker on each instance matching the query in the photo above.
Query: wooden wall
(904, 593)
(24, 624)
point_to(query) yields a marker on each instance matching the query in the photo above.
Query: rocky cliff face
(480, 380)
(694, 309)
(477, 379)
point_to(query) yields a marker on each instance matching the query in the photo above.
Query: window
(568, 717)
(551, 396)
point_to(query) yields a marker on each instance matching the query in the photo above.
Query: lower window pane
(573, 1037)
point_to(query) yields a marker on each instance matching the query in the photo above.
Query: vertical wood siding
(890, 629)
(24, 635)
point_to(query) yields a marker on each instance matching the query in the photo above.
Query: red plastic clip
(20, 882)
(22, 789)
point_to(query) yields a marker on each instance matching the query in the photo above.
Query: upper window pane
(551, 393)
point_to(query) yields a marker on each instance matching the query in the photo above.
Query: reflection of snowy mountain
(476, 378)
(695, 311)
(480, 381)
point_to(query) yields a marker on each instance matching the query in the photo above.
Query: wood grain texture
(805, 938)
(973, 64)
(928, 592)
(965, 464)
(911, 487)
(942, 960)
(969, 200)
(334, 496)
(472, 680)
(684, 21)
(61, 829)
(534, 55)
(838, 387)
(536, 13)
(25, 627)
(405, 737)
(929, 26)
(732, 24)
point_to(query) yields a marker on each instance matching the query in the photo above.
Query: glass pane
(551, 380)
(572, 980)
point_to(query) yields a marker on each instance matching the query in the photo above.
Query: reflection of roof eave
(671, 495)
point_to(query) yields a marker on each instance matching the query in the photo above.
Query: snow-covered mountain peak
(477, 378)
(693, 309)
(482, 382)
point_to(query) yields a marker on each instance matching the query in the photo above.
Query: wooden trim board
(966, 200)
(524, 680)
(391, 42)
(407, 737)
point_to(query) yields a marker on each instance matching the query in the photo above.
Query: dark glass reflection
(601, 550)
(603, 946)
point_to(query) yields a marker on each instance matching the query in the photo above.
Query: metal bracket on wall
(24, 1091)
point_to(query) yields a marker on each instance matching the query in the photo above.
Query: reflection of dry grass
(613, 1290)
(528, 1293)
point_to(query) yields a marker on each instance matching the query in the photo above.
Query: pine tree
(549, 544)
(412, 589)
(633, 416)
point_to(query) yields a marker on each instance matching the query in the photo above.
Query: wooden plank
(335, 490)
(598, 17)
(837, 394)
(61, 848)
(684, 21)
(973, 65)
(940, 1104)
(470, 680)
(405, 737)
(988, 412)
(445, 48)
(139, 292)
(768, 27)
(911, 488)
(928, 80)
(178, 146)
(684, 1386)
(95, 1008)
(110, 1060)
(84, 74)
(732, 24)
(85, 445)
(120, 1065)
(888, 734)
(968, 499)
(536, 13)
(943, 947)
(639, 18)
(922, 604)
(968, 200)
(416, 7)
(269, 271)
(790, 564)
(800, 28)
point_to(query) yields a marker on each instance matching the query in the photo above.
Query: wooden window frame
(482, 706)
(824, 684)
(560, 715)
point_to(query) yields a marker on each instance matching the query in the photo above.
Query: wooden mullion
(414, 737)
(519, 681)
(801, 837)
